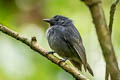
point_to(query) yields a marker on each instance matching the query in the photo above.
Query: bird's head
(58, 20)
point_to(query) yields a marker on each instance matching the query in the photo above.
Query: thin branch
(34, 46)
(104, 37)
(112, 12)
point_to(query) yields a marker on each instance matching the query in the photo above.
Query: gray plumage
(65, 40)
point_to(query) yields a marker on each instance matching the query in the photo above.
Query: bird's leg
(63, 60)
(50, 52)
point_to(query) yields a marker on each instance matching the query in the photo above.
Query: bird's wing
(74, 40)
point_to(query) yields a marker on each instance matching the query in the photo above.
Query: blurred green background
(19, 62)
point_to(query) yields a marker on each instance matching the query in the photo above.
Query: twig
(112, 12)
(34, 46)
(104, 37)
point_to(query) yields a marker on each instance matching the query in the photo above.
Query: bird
(65, 40)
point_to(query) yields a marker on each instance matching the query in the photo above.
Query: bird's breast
(57, 42)
(54, 36)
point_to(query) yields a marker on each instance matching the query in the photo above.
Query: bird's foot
(50, 52)
(62, 60)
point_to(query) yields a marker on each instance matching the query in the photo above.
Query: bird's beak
(46, 20)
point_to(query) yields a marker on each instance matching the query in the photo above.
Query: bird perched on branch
(65, 40)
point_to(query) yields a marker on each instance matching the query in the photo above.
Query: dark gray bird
(65, 40)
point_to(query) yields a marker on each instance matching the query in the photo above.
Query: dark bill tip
(46, 20)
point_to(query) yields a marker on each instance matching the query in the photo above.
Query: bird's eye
(62, 21)
(57, 20)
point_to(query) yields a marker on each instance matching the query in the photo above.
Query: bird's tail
(79, 66)
(89, 69)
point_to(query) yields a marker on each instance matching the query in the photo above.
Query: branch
(104, 37)
(34, 46)
(112, 12)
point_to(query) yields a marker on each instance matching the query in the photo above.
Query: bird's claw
(62, 60)
(50, 52)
